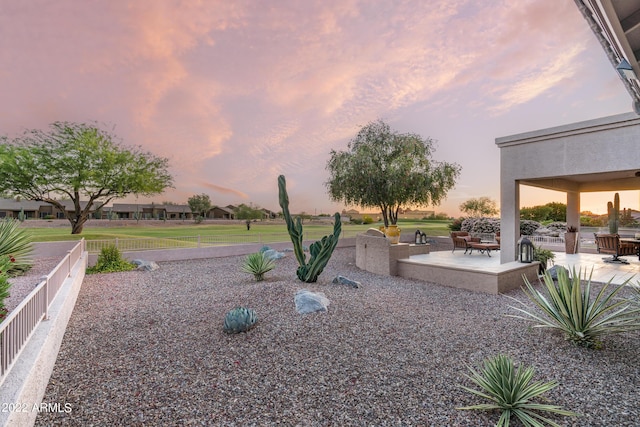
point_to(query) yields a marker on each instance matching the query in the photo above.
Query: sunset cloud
(235, 93)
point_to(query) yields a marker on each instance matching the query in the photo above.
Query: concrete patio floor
(602, 271)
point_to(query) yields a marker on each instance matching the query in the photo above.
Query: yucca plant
(258, 264)
(635, 295)
(569, 307)
(5, 265)
(510, 390)
(15, 242)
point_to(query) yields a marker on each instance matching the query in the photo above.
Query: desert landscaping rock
(341, 280)
(146, 348)
(145, 265)
(310, 302)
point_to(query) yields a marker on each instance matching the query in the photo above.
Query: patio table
(636, 244)
(482, 247)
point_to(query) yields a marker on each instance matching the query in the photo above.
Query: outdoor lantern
(423, 238)
(418, 239)
(626, 70)
(525, 249)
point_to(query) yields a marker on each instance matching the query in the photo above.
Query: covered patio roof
(595, 155)
(616, 24)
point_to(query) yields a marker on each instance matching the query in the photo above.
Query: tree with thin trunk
(387, 170)
(248, 213)
(81, 163)
(481, 206)
(200, 205)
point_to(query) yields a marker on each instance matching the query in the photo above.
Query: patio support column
(509, 219)
(573, 212)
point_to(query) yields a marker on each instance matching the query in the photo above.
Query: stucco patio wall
(473, 279)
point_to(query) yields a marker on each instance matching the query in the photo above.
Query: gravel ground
(21, 286)
(147, 349)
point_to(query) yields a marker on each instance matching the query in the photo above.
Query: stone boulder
(341, 280)
(310, 302)
(271, 253)
(553, 271)
(145, 265)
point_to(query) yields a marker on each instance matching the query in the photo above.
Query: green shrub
(543, 255)
(357, 221)
(110, 261)
(568, 307)
(258, 264)
(510, 390)
(367, 220)
(15, 243)
(587, 221)
(456, 224)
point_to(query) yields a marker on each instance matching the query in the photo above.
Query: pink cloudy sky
(235, 93)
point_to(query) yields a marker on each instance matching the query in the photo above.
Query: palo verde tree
(200, 204)
(387, 170)
(81, 163)
(482, 206)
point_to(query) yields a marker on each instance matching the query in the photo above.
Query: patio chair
(462, 239)
(610, 244)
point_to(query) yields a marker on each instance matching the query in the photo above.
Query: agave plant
(15, 242)
(240, 319)
(511, 391)
(568, 307)
(258, 264)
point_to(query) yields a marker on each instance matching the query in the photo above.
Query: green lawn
(431, 228)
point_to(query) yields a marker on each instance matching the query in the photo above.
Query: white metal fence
(586, 242)
(150, 243)
(19, 325)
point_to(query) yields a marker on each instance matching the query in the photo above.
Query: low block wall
(182, 254)
(27, 381)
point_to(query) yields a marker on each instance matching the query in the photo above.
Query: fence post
(68, 263)
(46, 296)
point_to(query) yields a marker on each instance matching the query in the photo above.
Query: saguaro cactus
(320, 251)
(613, 209)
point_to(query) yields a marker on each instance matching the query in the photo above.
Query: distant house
(218, 212)
(148, 211)
(122, 210)
(269, 214)
(178, 212)
(11, 208)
